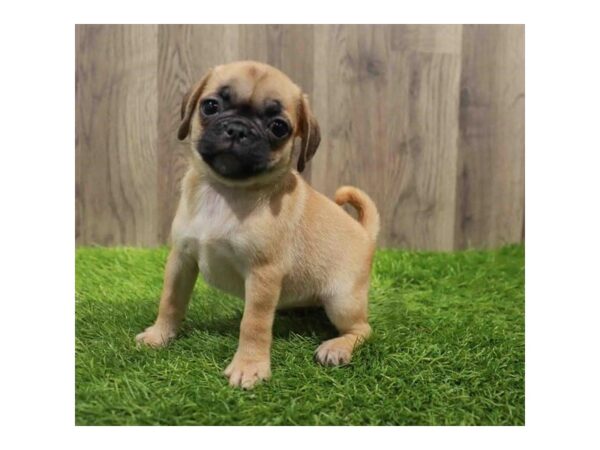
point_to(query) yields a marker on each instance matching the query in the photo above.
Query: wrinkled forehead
(254, 85)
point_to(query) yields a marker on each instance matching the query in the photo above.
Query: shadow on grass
(305, 322)
(309, 322)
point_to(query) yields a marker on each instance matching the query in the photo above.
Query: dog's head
(243, 119)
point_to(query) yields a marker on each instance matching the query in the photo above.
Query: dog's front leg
(181, 273)
(252, 360)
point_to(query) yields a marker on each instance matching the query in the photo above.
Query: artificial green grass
(447, 348)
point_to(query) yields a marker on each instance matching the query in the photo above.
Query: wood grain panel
(116, 135)
(490, 176)
(427, 209)
(287, 47)
(332, 104)
(428, 119)
(319, 102)
(392, 130)
(427, 38)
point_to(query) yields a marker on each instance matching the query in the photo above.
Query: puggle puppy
(254, 228)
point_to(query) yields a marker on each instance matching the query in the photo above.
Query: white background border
(562, 224)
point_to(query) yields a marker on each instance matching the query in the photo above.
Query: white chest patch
(216, 233)
(215, 220)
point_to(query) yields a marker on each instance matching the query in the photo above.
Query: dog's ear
(189, 104)
(310, 134)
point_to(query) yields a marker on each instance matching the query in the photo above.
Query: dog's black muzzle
(235, 147)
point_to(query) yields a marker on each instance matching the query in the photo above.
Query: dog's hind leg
(349, 315)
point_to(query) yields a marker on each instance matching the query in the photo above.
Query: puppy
(254, 228)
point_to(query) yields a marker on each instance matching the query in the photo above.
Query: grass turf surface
(447, 348)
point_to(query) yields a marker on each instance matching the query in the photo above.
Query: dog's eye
(210, 107)
(279, 128)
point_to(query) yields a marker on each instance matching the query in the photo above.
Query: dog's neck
(243, 200)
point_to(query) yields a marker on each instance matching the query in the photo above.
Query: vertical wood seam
(457, 175)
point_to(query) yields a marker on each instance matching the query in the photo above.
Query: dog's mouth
(233, 162)
(227, 165)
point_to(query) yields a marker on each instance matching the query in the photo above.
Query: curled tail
(367, 211)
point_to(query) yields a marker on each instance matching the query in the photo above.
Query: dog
(251, 225)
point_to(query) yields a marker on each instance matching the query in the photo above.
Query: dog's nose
(236, 131)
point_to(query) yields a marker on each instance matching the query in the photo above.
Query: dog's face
(243, 118)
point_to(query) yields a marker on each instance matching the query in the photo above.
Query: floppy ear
(189, 104)
(309, 132)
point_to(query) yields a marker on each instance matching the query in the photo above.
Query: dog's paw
(245, 373)
(155, 336)
(333, 352)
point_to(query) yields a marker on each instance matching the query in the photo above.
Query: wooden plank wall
(116, 135)
(428, 119)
